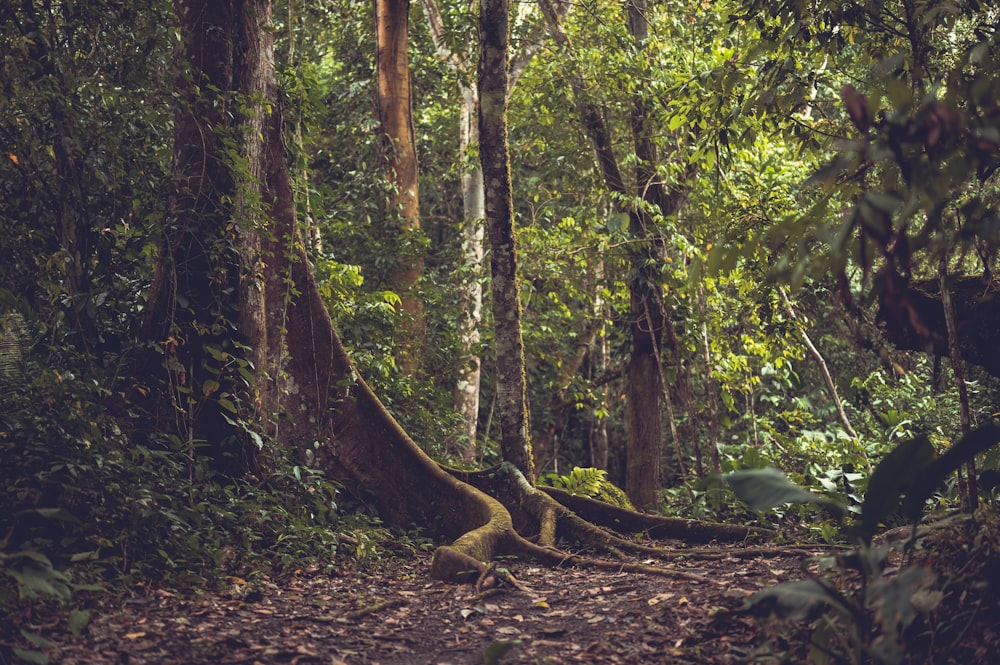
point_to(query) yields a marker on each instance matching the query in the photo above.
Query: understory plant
(860, 606)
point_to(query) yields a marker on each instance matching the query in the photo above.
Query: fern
(589, 482)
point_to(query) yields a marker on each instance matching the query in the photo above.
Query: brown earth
(397, 615)
(392, 613)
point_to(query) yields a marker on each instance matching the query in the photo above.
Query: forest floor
(393, 614)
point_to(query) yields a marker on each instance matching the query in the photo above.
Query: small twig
(373, 608)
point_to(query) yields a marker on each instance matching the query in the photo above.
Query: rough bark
(329, 414)
(494, 155)
(395, 115)
(193, 303)
(470, 292)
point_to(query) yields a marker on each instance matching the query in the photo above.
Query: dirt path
(398, 615)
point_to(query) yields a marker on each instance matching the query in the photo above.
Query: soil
(392, 613)
(395, 614)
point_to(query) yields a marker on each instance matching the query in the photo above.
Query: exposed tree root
(655, 526)
(335, 416)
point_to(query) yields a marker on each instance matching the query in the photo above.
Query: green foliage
(588, 482)
(850, 623)
(767, 488)
(83, 500)
(865, 623)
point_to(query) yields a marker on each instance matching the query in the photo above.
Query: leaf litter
(396, 615)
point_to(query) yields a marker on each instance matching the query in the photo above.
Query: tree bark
(494, 155)
(470, 291)
(193, 308)
(324, 409)
(395, 115)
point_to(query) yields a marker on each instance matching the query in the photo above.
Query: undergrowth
(85, 506)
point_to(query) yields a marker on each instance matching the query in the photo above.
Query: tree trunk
(472, 232)
(494, 155)
(644, 412)
(395, 115)
(467, 387)
(324, 409)
(193, 309)
(710, 390)
(470, 295)
(967, 476)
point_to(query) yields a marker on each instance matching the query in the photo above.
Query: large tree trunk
(494, 155)
(324, 409)
(395, 114)
(193, 306)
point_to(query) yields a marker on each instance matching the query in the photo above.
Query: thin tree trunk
(395, 115)
(599, 363)
(824, 370)
(470, 292)
(710, 389)
(494, 155)
(966, 481)
(470, 295)
(467, 388)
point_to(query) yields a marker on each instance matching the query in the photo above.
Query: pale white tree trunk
(471, 291)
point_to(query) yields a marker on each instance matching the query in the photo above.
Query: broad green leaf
(78, 620)
(933, 474)
(893, 477)
(767, 488)
(804, 599)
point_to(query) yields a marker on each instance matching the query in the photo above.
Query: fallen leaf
(135, 636)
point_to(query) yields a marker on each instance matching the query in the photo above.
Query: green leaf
(496, 651)
(767, 488)
(933, 474)
(893, 477)
(78, 620)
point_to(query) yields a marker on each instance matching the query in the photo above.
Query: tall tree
(471, 229)
(193, 314)
(462, 63)
(325, 410)
(644, 201)
(392, 67)
(494, 155)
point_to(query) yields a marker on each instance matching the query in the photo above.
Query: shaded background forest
(829, 166)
